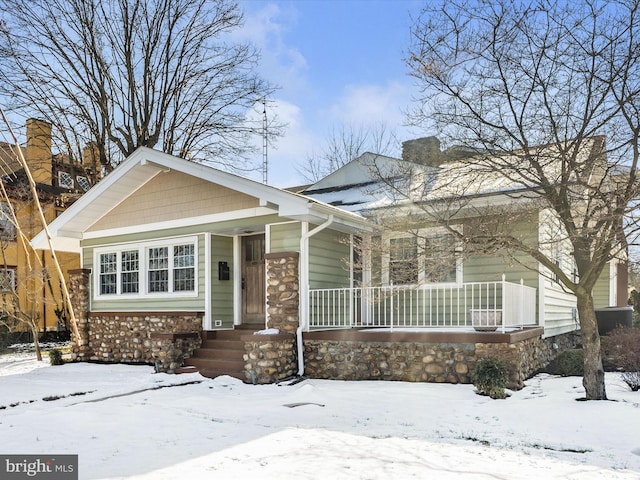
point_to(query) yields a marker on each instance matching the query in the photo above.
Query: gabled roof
(144, 164)
(367, 182)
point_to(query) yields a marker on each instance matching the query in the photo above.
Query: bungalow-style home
(188, 267)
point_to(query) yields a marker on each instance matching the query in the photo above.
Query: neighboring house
(181, 262)
(29, 285)
(440, 181)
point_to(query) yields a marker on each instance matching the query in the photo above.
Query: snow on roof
(368, 181)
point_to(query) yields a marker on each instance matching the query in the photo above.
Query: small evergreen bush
(490, 377)
(570, 363)
(55, 356)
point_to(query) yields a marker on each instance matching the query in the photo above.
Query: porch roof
(144, 164)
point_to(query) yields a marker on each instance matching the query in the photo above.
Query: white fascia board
(184, 222)
(96, 202)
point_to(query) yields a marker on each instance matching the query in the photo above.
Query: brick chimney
(91, 161)
(424, 150)
(38, 151)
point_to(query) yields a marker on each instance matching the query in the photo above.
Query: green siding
(285, 237)
(329, 256)
(221, 290)
(602, 288)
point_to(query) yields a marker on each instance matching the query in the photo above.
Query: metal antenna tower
(265, 160)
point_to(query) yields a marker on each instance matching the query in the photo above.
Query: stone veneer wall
(143, 337)
(162, 339)
(419, 361)
(270, 358)
(79, 296)
(525, 358)
(282, 291)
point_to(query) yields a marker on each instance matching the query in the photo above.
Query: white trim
(206, 321)
(542, 280)
(180, 223)
(613, 282)
(143, 248)
(237, 280)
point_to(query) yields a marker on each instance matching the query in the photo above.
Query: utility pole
(265, 160)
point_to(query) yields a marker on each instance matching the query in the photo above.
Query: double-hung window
(148, 269)
(424, 256)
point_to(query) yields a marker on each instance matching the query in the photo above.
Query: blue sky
(337, 62)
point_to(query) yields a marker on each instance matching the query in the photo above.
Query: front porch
(483, 306)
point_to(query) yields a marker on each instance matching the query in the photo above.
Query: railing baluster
(423, 305)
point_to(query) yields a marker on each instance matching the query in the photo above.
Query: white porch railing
(482, 305)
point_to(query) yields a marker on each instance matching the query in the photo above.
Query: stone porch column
(79, 293)
(283, 285)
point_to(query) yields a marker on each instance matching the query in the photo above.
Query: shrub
(490, 377)
(621, 349)
(55, 356)
(632, 379)
(570, 363)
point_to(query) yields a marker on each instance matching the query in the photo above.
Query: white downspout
(304, 286)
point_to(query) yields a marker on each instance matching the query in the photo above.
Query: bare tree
(128, 73)
(546, 93)
(345, 143)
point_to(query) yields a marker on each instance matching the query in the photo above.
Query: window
(440, 259)
(158, 269)
(129, 270)
(108, 273)
(152, 268)
(427, 256)
(83, 183)
(7, 279)
(65, 180)
(403, 261)
(7, 227)
(183, 268)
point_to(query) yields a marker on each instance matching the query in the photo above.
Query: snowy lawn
(128, 422)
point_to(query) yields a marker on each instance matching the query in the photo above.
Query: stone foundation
(270, 358)
(168, 350)
(427, 356)
(161, 339)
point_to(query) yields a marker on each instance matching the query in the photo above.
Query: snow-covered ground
(128, 422)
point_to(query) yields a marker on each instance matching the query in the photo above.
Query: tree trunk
(593, 379)
(36, 340)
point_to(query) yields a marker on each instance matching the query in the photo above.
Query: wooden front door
(253, 280)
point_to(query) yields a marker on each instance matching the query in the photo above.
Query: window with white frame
(65, 180)
(108, 276)
(83, 182)
(183, 268)
(153, 268)
(129, 271)
(7, 279)
(440, 259)
(403, 260)
(426, 256)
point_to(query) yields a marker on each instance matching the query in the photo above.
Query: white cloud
(266, 28)
(370, 104)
